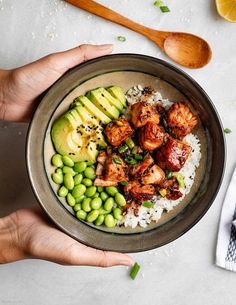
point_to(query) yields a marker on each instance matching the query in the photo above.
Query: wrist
(10, 249)
(3, 87)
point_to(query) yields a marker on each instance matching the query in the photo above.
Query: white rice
(146, 215)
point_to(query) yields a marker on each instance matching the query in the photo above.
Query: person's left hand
(19, 88)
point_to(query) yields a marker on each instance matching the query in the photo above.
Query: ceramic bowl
(127, 70)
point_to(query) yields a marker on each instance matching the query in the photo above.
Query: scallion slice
(116, 160)
(227, 130)
(134, 271)
(124, 182)
(121, 38)
(148, 204)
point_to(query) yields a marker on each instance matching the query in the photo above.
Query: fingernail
(105, 46)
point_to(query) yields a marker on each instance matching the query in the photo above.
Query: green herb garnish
(121, 38)
(130, 143)
(116, 160)
(130, 161)
(138, 157)
(227, 130)
(122, 149)
(165, 9)
(162, 6)
(134, 271)
(148, 204)
(124, 182)
(169, 175)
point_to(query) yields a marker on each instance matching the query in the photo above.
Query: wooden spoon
(185, 49)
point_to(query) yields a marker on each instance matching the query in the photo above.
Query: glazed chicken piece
(142, 112)
(138, 169)
(155, 175)
(152, 136)
(173, 155)
(117, 131)
(180, 120)
(139, 192)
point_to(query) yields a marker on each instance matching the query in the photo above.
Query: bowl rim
(178, 71)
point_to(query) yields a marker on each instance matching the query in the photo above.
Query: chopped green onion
(135, 150)
(130, 161)
(138, 157)
(130, 143)
(121, 38)
(180, 179)
(116, 160)
(169, 175)
(134, 271)
(165, 9)
(122, 149)
(158, 3)
(163, 192)
(162, 6)
(148, 204)
(227, 130)
(124, 182)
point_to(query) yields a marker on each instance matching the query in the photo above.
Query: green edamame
(69, 181)
(78, 190)
(104, 196)
(81, 214)
(79, 167)
(68, 170)
(108, 205)
(87, 182)
(59, 171)
(111, 190)
(103, 212)
(92, 216)
(77, 207)
(90, 173)
(99, 221)
(90, 191)
(109, 221)
(70, 200)
(96, 203)
(86, 205)
(67, 161)
(120, 199)
(57, 178)
(89, 163)
(96, 195)
(79, 199)
(78, 179)
(100, 189)
(62, 192)
(57, 160)
(117, 214)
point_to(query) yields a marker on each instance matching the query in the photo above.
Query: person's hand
(20, 88)
(28, 233)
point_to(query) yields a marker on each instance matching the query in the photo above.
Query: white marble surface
(180, 273)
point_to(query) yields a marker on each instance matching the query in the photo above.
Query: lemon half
(227, 9)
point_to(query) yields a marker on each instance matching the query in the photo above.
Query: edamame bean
(70, 200)
(92, 216)
(99, 221)
(79, 199)
(77, 207)
(108, 205)
(79, 167)
(68, 170)
(86, 205)
(69, 181)
(78, 190)
(90, 191)
(90, 173)
(67, 161)
(87, 182)
(117, 214)
(57, 178)
(78, 179)
(57, 160)
(103, 212)
(81, 214)
(63, 191)
(96, 195)
(96, 203)
(59, 171)
(104, 196)
(89, 163)
(120, 199)
(109, 221)
(111, 190)
(100, 189)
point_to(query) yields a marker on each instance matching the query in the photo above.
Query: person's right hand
(28, 233)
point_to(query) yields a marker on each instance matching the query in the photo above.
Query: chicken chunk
(180, 120)
(155, 175)
(115, 169)
(152, 136)
(142, 112)
(117, 131)
(139, 192)
(102, 182)
(138, 169)
(173, 155)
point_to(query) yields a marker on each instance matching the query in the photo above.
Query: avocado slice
(101, 102)
(91, 108)
(118, 93)
(113, 101)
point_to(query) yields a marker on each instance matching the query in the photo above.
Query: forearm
(9, 247)
(3, 87)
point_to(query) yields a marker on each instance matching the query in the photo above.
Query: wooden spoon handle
(102, 11)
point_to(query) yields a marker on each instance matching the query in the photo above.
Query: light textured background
(180, 273)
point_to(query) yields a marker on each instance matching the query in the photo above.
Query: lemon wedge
(227, 9)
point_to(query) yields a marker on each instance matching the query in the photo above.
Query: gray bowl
(127, 70)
